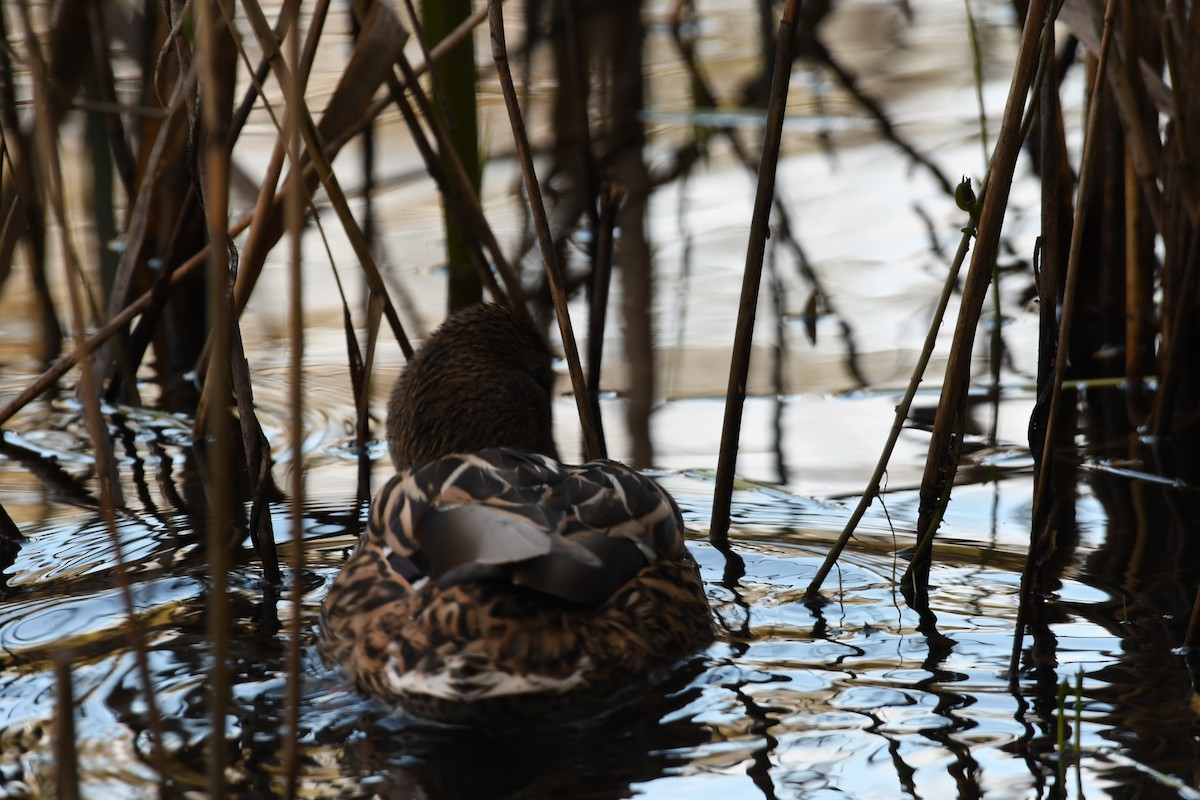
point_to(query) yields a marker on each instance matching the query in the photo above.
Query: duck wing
(577, 533)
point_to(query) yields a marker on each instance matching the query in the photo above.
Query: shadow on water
(1144, 562)
(604, 757)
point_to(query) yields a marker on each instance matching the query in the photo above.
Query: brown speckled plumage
(491, 579)
(483, 379)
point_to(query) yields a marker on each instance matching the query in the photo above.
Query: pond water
(855, 697)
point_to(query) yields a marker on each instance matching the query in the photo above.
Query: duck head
(483, 379)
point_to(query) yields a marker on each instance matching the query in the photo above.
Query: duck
(493, 582)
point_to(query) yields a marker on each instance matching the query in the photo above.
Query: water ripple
(34, 624)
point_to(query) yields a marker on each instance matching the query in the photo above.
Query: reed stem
(66, 752)
(110, 494)
(901, 416)
(739, 367)
(592, 446)
(1042, 482)
(940, 464)
(294, 206)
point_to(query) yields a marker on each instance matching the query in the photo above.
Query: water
(852, 698)
(855, 697)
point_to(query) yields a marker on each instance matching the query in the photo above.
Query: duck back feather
(513, 576)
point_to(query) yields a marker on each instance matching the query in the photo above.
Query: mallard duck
(491, 579)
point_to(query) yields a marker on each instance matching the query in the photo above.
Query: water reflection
(854, 695)
(638, 743)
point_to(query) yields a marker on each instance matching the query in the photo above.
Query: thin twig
(324, 168)
(447, 170)
(66, 753)
(542, 224)
(611, 196)
(739, 366)
(448, 173)
(1087, 175)
(105, 465)
(940, 465)
(294, 207)
(214, 171)
(256, 450)
(901, 416)
(106, 82)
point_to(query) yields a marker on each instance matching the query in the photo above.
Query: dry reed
(1160, 208)
(764, 198)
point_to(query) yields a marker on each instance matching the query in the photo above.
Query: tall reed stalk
(739, 366)
(294, 208)
(215, 111)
